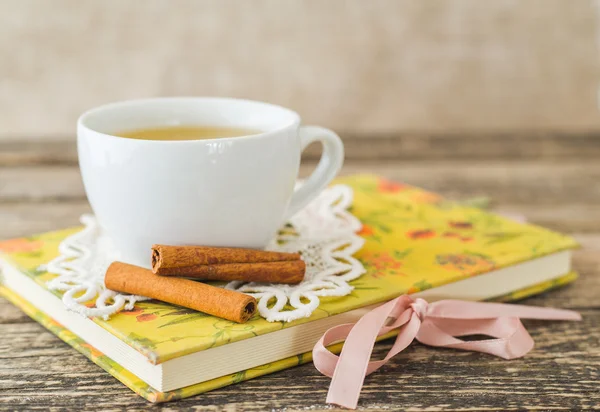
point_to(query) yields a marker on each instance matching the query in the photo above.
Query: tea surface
(186, 133)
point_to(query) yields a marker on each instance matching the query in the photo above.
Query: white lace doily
(324, 232)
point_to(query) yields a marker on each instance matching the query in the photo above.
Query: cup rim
(81, 121)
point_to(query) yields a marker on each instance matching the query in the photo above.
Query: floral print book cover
(414, 240)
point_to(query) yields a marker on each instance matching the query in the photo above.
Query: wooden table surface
(554, 179)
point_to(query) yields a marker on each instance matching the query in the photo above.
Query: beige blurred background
(368, 67)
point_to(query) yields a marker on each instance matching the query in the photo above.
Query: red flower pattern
(386, 186)
(95, 353)
(20, 245)
(366, 230)
(379, 264)
(421, 234)
(146, 317)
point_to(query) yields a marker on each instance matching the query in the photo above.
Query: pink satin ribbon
(434, 324)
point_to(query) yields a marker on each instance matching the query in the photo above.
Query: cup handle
(330, 164)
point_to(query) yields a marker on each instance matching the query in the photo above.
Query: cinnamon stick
(169, 257)
(227, 304)
(290, 272)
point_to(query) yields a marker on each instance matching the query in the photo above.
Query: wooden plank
(11, 314)
(20, 219)
(566, 218)
(405, 146)
(38, 184)
(530, 181)
(39, 371)
(32, 151)
(562, 197)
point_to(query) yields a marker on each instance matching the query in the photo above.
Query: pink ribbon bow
(434, 324)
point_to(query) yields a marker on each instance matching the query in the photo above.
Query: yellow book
(415, 242)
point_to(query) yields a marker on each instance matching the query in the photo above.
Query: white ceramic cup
(234, 191)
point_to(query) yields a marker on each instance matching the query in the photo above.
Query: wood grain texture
(375, 146)
(553, 180)
(527, 182)
(560, 194)
(562, 372)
